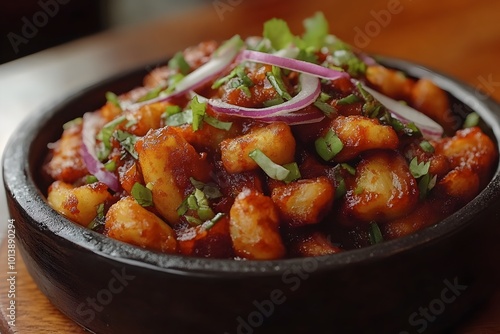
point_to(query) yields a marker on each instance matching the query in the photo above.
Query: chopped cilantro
(278, 33)
(273, 170)
(328, 146)
(348, 60)
(419, 169)
(316, 31)
(127, 141)
(142, 194)
(179, 63)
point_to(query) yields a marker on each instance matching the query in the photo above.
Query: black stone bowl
(424, 282)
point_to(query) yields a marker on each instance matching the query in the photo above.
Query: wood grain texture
(459, 37)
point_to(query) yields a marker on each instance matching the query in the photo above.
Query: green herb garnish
(471, 120)
(328, 146)
(143, 195)
(273, 170)
(294, 174)
(127, 141)
(72, 123)
(105, 136)
(375, 234)
(426, 146)
(178, 62)
(113, 99)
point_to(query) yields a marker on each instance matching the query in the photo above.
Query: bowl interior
(27, 148)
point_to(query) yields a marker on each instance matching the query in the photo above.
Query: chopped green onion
(350, 99)
(359, 190)
(276, 81)
(274, 102)
(426, 146)
(328, 146)
(198, 109)
(89, 179)
(326, 108)
(471, 120)
(375, 234)
(173, 81)
(99, 220)
(110, 166)
(412, 130)
(178, 62)
(272, 169)
(209, 189)
(113, 99)
(105, 137)
(211, 223)
(142, 194)
(193, 221)
(155, 92)
(217, 124)
(341, 188)
(294, 174)
(348, 168)
(74, 122)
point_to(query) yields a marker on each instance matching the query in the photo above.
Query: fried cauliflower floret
(254, 227)
(78, 204)
(384, 188)
(305, 201)
(167, 162)
(129, 222)
(274, 140)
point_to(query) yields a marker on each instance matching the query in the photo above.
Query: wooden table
(458, 37)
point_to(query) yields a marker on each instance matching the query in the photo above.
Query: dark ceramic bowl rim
(20, 186)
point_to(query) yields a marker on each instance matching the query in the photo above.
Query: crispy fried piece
(78, 204)
(167, 162)
(384, 188)
(129, 222)
(254, 227)
(389, 82)
(66, 163)
(305, 201)
(274, 140)
(359, 134)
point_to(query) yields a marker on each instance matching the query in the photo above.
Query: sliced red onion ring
(292, 64)
(406, 114)
(220, 60)
(297, 118)
(92, 122)
(311, 88)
